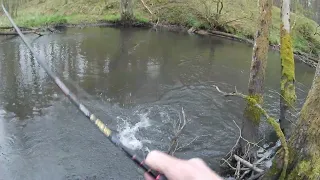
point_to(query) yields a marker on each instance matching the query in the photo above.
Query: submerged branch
(178, 127)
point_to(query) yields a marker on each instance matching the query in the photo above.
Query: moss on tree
(252, 112)
(288, 68)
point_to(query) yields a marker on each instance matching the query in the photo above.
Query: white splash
(2, 130)
(127, 132)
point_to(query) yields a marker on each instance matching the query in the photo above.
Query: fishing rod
(112, 136)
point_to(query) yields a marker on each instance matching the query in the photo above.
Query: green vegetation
(236, 17)
(252, 112)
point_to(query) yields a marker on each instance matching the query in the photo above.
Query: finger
(148, 177)
(161, 162)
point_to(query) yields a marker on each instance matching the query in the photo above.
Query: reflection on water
(137, 81)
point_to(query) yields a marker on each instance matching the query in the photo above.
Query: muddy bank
(308, 59)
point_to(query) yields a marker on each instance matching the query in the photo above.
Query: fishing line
(112, 136)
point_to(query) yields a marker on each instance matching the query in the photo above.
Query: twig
(228, 164)
(248, 164)
(145, 5)
(237, 142)
(237, 19)
(135, 47)
(256, 176)
(242, 169)
(178, 130)
(196, 138)
(294, 23)
(230, 153)
(285, 99)
(245, 173)
(157, 22)
(238, 169)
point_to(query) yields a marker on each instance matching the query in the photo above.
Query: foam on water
(127, 132)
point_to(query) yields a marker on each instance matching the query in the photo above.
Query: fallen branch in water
(21, 28)
(248, 164)
(223, 34)
(16, 34)
(271, 121)
(10, 31)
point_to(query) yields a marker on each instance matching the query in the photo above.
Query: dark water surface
(137, 81)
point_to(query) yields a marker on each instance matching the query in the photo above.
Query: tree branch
(145, 5)
(248, 164)
(178, 127)
(244, 17)
(221, 7)
(196, 138)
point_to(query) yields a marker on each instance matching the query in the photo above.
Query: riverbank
(236, 20)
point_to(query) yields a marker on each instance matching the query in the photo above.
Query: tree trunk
(257, 73)
(126, 8)
(288, 95)
(304, 144)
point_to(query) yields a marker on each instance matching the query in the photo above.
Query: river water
(137, 81)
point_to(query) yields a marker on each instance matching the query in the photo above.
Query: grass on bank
(237, 17)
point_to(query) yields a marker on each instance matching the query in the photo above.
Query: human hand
(178, 169)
